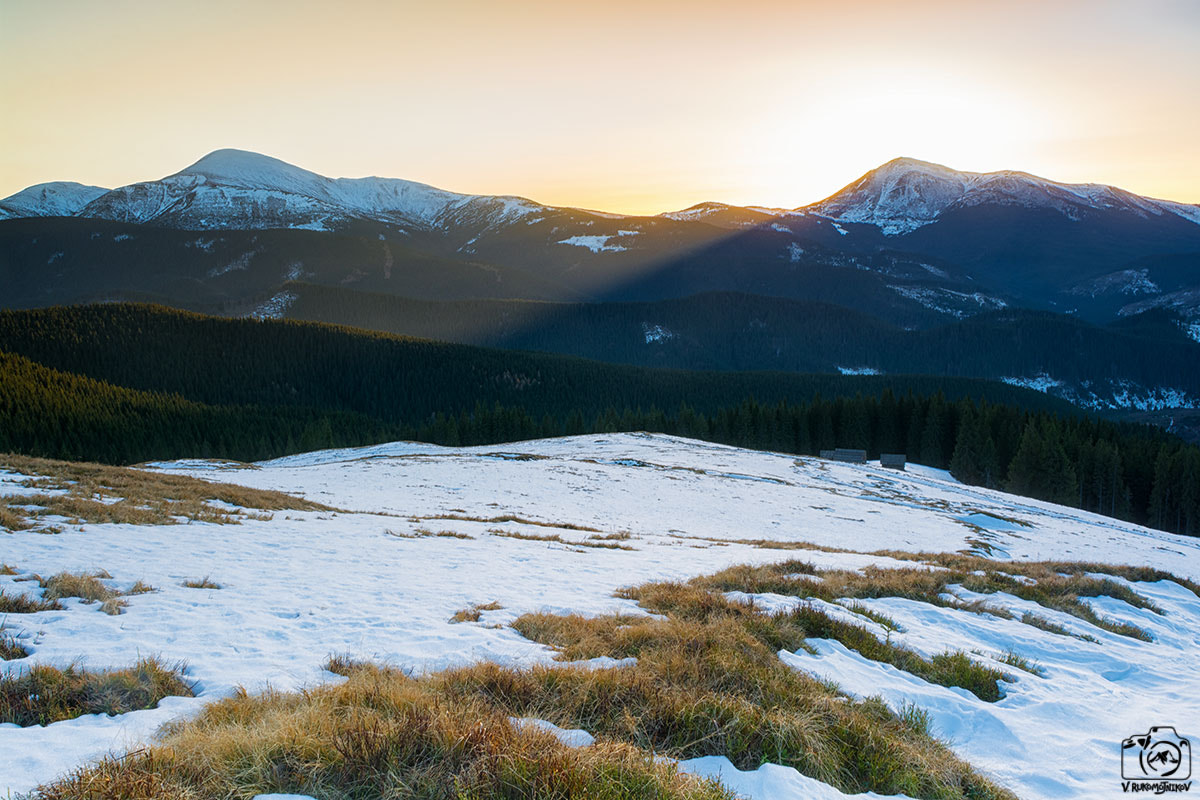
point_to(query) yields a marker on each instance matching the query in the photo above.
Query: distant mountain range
(910, 246)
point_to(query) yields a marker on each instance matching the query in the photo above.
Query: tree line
(129, 383)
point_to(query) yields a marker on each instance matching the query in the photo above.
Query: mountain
(911, 242)
(247, 191)
(55, 199)
(906, 194)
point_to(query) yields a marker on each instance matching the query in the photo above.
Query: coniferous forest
(123, 383)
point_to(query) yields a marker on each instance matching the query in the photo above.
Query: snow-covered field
(366, 582)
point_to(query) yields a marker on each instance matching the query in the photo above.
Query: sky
(635, 107)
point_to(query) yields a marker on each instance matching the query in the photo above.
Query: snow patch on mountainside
(599, 243)
(1108, 395)
(859, 371)
(948, 301)
(656, 333)
(276, 306)
(1039, 383)
(1129, 282)
(1185, 302)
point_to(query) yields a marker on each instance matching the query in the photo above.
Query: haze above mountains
(908, 262)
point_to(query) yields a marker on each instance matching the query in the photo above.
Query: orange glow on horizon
(619, 106)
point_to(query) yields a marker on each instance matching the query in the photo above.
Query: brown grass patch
(1053, 584)
(708, 681)
(44, 694)
(379, 734)
(146, 498)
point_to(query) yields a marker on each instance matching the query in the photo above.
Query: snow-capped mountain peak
(246, 169)
(232, 188)
(54, 199)
(905, 194)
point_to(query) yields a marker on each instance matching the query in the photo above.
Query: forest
(126, 384)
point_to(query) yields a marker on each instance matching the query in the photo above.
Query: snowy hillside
(905, 194)
(429, 531)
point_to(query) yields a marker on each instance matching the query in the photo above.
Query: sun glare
(869, 119)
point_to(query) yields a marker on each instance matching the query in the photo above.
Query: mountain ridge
(898, 196)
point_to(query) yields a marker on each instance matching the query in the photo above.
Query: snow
(1039, 383)
(1128, 282)
(859, 371)
(698, 211)
(949, 301)
(770, 781)
(795, 252)
(599, 243)
(276, 306)
(656, 333)
(1111, 394)
(571, 738)
(302, 585)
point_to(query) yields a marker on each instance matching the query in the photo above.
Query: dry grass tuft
(8, 569)
(11, 520)
(554, 537)
(10, 647)
(89, 492)
(453, 535)
(20, 604)
(566, 526)
(201, 583)
(1014, 659)
(472, 613)
(90, 589)
(425, 533)
(619, 536)
(44, 694)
